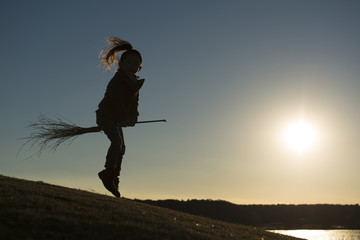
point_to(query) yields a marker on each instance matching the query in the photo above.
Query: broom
(49, 134)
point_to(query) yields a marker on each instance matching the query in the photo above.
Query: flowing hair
(115, 45)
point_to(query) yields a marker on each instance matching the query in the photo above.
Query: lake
(322, 234)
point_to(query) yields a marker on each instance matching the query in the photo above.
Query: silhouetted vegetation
(321, 216)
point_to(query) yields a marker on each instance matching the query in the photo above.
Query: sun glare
(300, 136)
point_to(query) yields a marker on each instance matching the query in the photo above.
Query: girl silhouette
(118, 108)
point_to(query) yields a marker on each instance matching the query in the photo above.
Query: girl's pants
(116, 150)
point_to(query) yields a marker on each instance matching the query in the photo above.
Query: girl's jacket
(121, 99)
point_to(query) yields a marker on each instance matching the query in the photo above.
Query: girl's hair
(116, 45)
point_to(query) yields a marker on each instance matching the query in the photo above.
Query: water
(322, 234)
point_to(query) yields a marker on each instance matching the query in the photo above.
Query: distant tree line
(320, 216)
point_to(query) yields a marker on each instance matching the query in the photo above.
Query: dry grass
(35, 210)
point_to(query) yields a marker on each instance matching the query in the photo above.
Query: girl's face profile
(131, 64)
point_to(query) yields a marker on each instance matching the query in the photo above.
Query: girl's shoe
(107, 177)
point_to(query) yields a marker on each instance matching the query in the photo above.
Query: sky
(230, 78)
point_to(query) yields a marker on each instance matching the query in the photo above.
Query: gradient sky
(227, 75)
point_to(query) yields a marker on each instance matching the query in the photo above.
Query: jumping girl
(118, 108)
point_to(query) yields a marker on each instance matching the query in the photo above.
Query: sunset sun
(300, 136)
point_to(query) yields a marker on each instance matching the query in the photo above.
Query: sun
(300, 136)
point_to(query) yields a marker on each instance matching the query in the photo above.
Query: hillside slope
(36, 210)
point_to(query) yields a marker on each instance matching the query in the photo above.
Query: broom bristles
(49, 134)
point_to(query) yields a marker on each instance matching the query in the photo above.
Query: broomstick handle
(98, 129)
(151, 121)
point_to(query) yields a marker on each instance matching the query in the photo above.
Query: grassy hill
(36, 210)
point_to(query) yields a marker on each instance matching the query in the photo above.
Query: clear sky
(230, 77)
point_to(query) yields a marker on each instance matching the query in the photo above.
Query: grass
(36, 210)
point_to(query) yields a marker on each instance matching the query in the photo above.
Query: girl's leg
(115, 135)
(112, 132)
(121, 152)
(119, 160)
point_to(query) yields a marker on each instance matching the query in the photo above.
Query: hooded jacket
(121, 99)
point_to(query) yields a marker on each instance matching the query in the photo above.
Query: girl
(118, 108)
